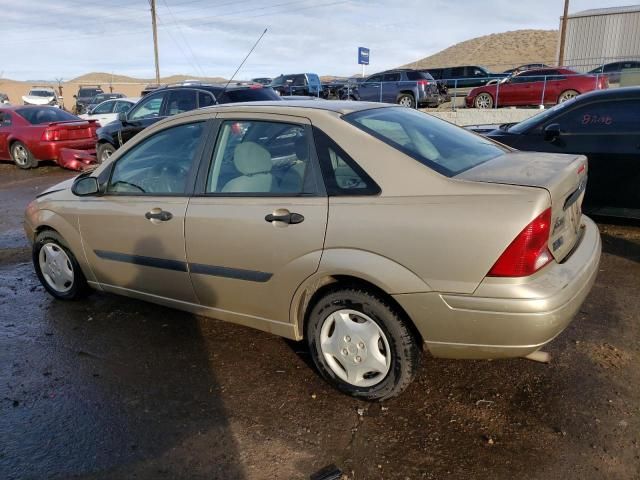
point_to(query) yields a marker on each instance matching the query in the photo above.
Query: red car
(29, 134)
(529, 88)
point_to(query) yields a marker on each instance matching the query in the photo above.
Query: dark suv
(464, 77)
(297, 84)
(171, 100)
(404, 87)
(84, 96)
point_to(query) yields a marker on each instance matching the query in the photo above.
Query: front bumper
(508, 317)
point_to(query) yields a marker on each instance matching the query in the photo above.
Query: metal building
(602, 35)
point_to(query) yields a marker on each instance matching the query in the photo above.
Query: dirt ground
(115, 388)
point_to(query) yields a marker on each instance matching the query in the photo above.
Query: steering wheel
(166, 178)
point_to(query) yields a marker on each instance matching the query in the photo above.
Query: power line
(193, 55)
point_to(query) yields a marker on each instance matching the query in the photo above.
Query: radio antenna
(245, 59)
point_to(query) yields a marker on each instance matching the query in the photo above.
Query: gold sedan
(365, 229)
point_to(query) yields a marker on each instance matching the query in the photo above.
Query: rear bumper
(508, 317)
(51, 150)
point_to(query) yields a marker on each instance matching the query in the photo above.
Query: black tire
(79, 287)
(104, 151)
(22, 157)
(406, 100)
(404, 348)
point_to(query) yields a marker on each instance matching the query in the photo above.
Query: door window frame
(104, 179)
(313, 176)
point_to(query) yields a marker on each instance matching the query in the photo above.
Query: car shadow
(113, 387)
(621, 247)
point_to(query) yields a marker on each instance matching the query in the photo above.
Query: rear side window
(391, 77)
(439, 145)
(418, 76)
(342, 175)
(181, 101)
(313, 79)
(5, 120)
(205, 99)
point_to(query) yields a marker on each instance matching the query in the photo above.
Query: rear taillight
(51, 135)
(423, 83)
(529, 252)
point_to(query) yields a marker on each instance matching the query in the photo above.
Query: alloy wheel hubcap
(405, 102)
(105, 155)
(567, 96)
(482, 101)
(56, 267)
(355, 348)
(20, 154)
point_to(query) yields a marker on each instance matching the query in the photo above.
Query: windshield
(41, 93)
(439, 145)
(38, 116)
(531, 122)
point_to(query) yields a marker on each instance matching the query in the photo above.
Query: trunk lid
(563, 176)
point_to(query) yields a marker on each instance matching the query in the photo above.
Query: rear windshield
(419, 76)
(89, 92)
(249, 95)
(37, 116)
(439, 145)
(41, 93)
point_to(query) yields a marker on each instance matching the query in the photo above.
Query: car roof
(293, 107)
(611, 93)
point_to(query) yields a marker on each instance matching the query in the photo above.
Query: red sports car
(29, 134)
(546, 86)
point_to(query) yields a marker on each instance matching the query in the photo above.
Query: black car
(464, 77)
(604, 125)
(614, 70)
(171, 100)
(84, 96)
(307, 84)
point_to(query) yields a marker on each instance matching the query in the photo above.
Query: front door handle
(286, 217)
(158, 215)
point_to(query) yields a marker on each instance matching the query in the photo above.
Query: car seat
(254, 164)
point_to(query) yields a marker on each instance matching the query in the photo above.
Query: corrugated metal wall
(594, 40)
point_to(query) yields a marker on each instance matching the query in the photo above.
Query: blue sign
(363, 56)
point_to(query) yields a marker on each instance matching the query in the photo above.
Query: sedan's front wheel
(105, 150)
(57, 268)
(483, 100)
(361, 344)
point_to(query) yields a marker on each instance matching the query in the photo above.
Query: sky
(47, 39)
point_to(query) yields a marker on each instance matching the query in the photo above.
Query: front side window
(374, 78)
(149, 108)
(260, 157)
(160, 164)
(439, 145)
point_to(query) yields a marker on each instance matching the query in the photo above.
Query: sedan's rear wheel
(361, 344)
(567, 95)
(21, 156)
(483, 100)
(57, 268)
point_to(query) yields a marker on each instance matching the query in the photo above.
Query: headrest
(250, 158)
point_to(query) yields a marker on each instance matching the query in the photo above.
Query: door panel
(127, 250)
(256, 230)
(243, 266)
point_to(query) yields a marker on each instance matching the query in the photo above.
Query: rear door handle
(290, 217)
(158, 215)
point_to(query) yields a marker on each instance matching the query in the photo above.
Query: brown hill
(103, 78)
(498, 51)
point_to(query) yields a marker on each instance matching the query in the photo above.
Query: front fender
(67, 226)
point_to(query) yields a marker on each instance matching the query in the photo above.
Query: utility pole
(563, 33)
(155, 38)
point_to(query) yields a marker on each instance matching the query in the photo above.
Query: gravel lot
(115, 388)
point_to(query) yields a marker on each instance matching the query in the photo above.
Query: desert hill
(498, 51)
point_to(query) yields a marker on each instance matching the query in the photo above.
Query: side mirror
(551, 132)
(122, 117)
(85, 186)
